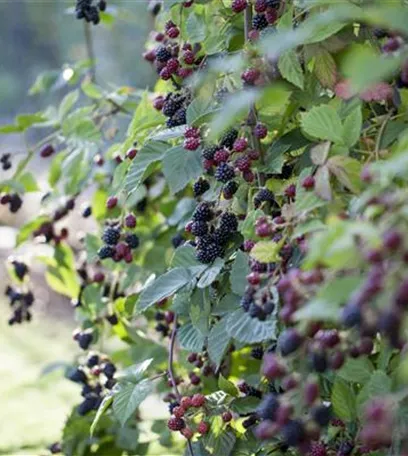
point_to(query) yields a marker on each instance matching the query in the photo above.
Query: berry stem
(90, 50)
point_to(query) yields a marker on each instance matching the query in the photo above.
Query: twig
(90, 49)
(380, 135)
(170, 370)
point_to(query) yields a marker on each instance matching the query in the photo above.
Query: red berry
(308, 182)
(271, 367)
(169, 317)
(176, 424)
(192, 132)
(130, 221)
(260, 131)
(158, 103)
(243, 163)
(184, 72)
(173, 32)
(192, 357)
(248, 176)
(5, 199)
(271, 15)
(260, 6)
(336, 360)
(99, 277)
(150, 55)
(266, 430)
(194, 378)
(227, 417)
(318, 449)
(188, 3)
(208, 164)
(189, 226)
(165, 74)
(191, 143)
(188, 57)
(290, 191)
(366, 175)
(221, 156)
(129, 257)
(122, 249)
(111, 202)
(250, 76)
(289, 382)
(186, 402)
(240, 144)
(254, 278)
(198, 400)
(264, 230)
(168, 25)
(203, 428)
(392, 240)
(187, 433)
(239, 5)
(179, 412)
(131, 154)
(172, 65)
(47, 150)
(253, 154)
(253, 35)
(159, 37)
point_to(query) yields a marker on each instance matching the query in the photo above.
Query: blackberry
(163, 54)
(209, 152)
(289, 341)
(102, 5)
(177, 240)
(203, 212)
(256, 311)
(132, 241)
(259, 22)
(345, 449)
(106, 252)
(89, 404)
(110, 383)
(176, 424)
(247, 299)
(112, 319)
(20, 269)
(268, 407)
(224, 173)
(208, 253)
(199, 228)
(293, 432)
(273, 3)
(318, 361)
(85, 340)
(264, 195)
(15, 203)
(228, 222)
(78, 376)
(87, 212)
(172, 406)
(229, 189)
(321, 414)
(171, 106)
(257, 352)
(55, 448)
(200, 187)
(109, 370)
(93, 361)
(351, 316)
(220, 236)
(202, 241)
(111, 236)
(249, 422)
(179, 118)
(162, 328)
(229, 138)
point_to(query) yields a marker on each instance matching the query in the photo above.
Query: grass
(34, 405)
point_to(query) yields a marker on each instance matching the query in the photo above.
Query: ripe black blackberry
(5, 162)
(20, 269)
(92, 361)
(229, 189)
(199, 228)
(202, 241)
(293, 432)
(321, 414)
(203, 212)
(171, 105)
(87, 212)
(179, 118)
(264, 195)
(15, 203)
(208, 253)
(257, 352)
(229, 138)
(111, 235)
(162, 54)
(109, 370)
(132, 240)
(106, 252)
(247, 299)
(177, 240)
(85, 340)
(249, 422)
(268, 407)
(102, 5)
(256, 311)
(209, 152)
(224, 173)
(228, 222)
(173, 405)
(273, 3)
(259, 22)
(220, 236)
(200, 187)
(78, 376)
(89, 404)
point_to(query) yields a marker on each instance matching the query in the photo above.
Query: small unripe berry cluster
(13, 200)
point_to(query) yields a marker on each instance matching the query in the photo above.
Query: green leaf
(135, 372)
(343, 400)
(180, 166)
(347, 170)
(152, 152)
(129, 398)
(92, 299)
(266, 251)
(28, 181)
(352, 127)
(190, 338)
(378, 385)
(240, 269)
(105, 404)
(196, 28)
(243, 328)
(162, 287)
(27, 229)
(247, 227)
(92, 244)
(211, 273)
(67, 103)
(6, 129)
(291, 69)
(199, 111)
(245, 405)
(356, 370)
(218, 342)
(227, 386)
(323, 122)
(91, 90)
(325, 68)
(55, 171)
(28, 120)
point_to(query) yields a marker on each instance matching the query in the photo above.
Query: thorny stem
(252, 115)
(90, 49)
(170, 370)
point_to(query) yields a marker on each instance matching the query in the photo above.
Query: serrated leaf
(240, 269)
(190, 338)
(105, 404)
(180, 166)
(266, 251)
(343, 400)
(211, 273)
(243, 328)
(325, 69)
(352, 127)
(129, 398)
(356, 370)
(378, 385)
(218, 342)
(196, 28)
(164, 286)
(245, 405)
(290, 68)
(323, 122)
(200, 110)
(227, 386)
(135, 373)
(347, 170)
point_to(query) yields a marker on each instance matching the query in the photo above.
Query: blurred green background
(38, 36)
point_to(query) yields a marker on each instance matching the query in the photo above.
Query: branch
(170, 370)
(90, 49)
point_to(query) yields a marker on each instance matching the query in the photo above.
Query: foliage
(252, 234)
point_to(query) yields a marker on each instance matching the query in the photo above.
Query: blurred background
(40, 36)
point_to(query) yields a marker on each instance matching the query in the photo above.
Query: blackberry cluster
(257, 302)
(97, 378)
(5, 162)
(13, 200)
(119, 246)
(200, 187)
(164, 321)
(20, 303)
(85, 9)
(174, 107)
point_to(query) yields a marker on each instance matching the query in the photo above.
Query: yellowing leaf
(266, 251)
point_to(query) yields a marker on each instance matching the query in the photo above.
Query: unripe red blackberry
(227, 417)
(271, 15)
(179, 412)
(191, 143)
(290, 191)
(188, 57)
(130, 221)
(165, 74)
(186, 402)
(150, 55)
(131, 154)
(289, 341)
(392, 240)
(260, 131)
(250, 76)
(111, 202)
(47, 150)
(260, 6)
(184, 73)
(176, 424)
(311, 393)
(239, 5)
(308, 182)
(173, 32)
(221, 156)
(203, 428)
(99, 277)
(194, 378)
(158, 103)
(248, 176)
(197, 400)
(336, 360)
(318, 449)
(271, 367)
(173, 65)
(240, 144)
(187, 433)
(188, 3)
